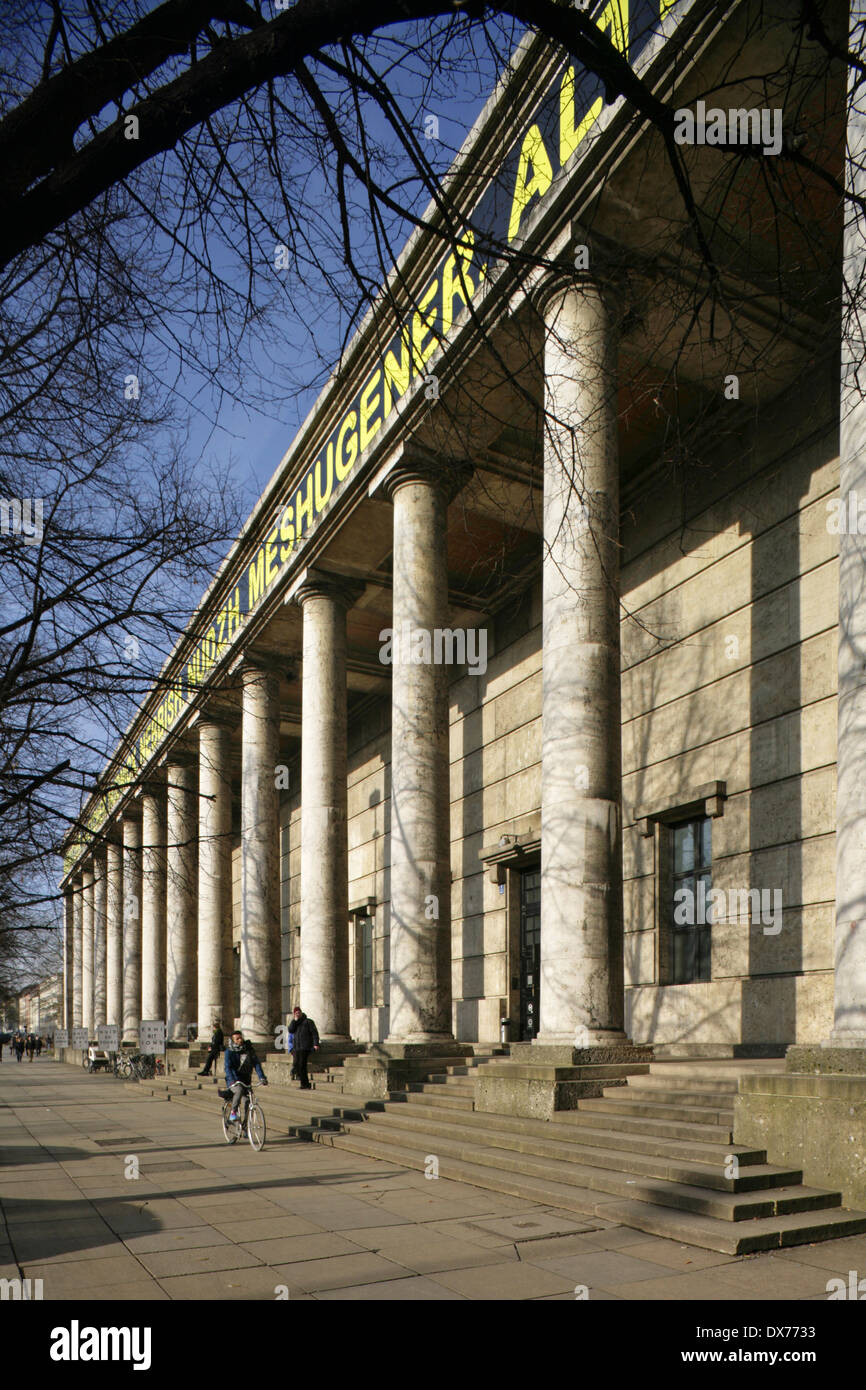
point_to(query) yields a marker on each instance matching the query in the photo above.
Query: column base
(538, 1078)
(391, 1066)
(831, 1057)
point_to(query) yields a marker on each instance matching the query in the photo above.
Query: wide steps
(675, 1099)
(688, 1227)
(723, 1206)
(754, 1176)
(647, 1110)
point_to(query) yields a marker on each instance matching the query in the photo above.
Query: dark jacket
(217, 1040)
(305, 1034)
(240, 1063)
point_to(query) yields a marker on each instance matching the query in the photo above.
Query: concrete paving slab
(766, 1277)
(674, 1256)
(398, 1290)
(64, 1280)
(598, 1270)
(267, 1228)
(702, 1285)
(505, 1282)
(525, 1225)
(182, 1238)
(342, 1271)
(230, 1285)
(428, 1251)
(197, 1260)
(292, 1249)
(835, 1256)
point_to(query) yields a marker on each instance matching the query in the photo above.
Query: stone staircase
(654, 1152)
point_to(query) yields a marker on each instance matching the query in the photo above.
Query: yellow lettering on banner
(321, 492)
(351, 445)
(534, 156)
(368, 406)
(234, 612)
(613, 17)
(304, 505)
(256, 578)
(271, 565)
(422, 327)
(664, 6)
(460, 287)
(287, 533)
(397, 373)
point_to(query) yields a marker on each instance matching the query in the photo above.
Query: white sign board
(151, 1035)
(80, 1039)
(108, 1037)
(61, 1037)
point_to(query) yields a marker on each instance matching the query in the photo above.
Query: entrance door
(530, 952)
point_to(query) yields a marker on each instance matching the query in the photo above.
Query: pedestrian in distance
(39, 1046)
(31, 1046)
(240, 1062)
(216, 1047)
(19, 1046)
(305, 1039)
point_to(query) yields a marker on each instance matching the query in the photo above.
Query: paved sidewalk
(207, 1221)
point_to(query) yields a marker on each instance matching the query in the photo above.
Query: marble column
(324, 982)
(99, 905)
(114, 934)
(215, 964)
(181, 889)
(77, 951)
(260, 965)
(153, 903)
(420, 971)
(849, 1019)
(65, 1020)
(87, 950)
(581, 761)
(131, 929)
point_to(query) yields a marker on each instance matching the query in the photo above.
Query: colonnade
(150, 914)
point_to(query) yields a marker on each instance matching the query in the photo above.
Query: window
(364, 946)
(690, 847)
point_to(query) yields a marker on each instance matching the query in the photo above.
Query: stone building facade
(644, 710)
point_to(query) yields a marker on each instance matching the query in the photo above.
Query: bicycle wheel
(231, 1128)
(257, 1130)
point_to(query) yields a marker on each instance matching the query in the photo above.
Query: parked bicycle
(250, 1121)
(144, 1066)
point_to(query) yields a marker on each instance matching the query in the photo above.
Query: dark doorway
(530, 951)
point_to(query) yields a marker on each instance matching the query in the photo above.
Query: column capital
(318, 583)
(252, 666)
(583, 260)
(414, 465)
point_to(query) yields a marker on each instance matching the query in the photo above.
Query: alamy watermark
(710, 905)
(22, 517)
(736, 126)
(441, 646)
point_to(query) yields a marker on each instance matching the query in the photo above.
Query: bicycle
(251, 1123)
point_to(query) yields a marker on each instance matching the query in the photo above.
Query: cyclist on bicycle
(240, 1062)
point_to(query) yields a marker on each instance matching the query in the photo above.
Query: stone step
(697, 1150)
(657, 1095)
(642, 1109)
(685, 1196)
(433, 1095)
(457, 1087)
(705, 1232)
(752, 1177)
(638, 1124)
(654, 1081)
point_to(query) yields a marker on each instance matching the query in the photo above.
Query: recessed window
(364, 957)
(690, 880)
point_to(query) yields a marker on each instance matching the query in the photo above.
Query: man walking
(305, 1039)
(216, 1047)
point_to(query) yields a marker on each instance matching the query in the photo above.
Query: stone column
(77, 951)
(181, 888)
(99, 903)
(114, 934)
(153, 903)
(215, 964)
(849, 1022)
(131, 929)
(87, 950)
(420, 834)
(324, 989)
(581, 760)
(68, 950)
(260, 855)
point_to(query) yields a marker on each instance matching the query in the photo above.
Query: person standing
(305, 1039)
(216, 1047)
(19, 1046)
